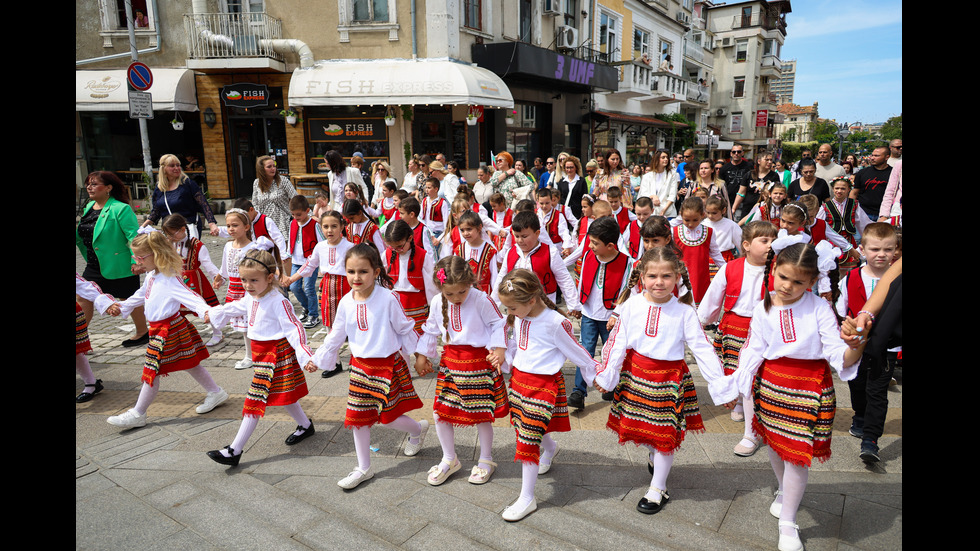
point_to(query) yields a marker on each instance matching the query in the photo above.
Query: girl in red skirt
(543, 340)
(382, 338)
(735, 291)
(328, 256)
(654, 401)
(174, 343)
(698, 245)
(793, 342)
(92, 293)
(469, 391)
(278, 346)
(197, 261)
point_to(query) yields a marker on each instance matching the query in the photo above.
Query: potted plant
(390, 119)
(511, 117)
(290, 114)
(177, 122)
(471, 117)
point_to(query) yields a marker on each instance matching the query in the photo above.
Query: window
(370, 10)
(771, 47)
(736, 123)
(608, 37)
(739, 87)
(569, 15)
(666, 49)
(366, 16)
(112, 19)
(741, 51)
(473, 14)
(641, 43)
(524, 20)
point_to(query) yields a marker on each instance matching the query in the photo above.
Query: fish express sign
(245, 94)
(346, 130)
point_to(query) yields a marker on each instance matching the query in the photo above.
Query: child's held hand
(310, 367)
(218, 280)
(730, 405)
(114, 309)
(422, 365)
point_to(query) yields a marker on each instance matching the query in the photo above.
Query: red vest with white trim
(258, 227)
(540, 265)
(551, 226)
(308, 237)
(415, 278)
(623, 217)
(634, 240)
(613, 280)
(856, 295)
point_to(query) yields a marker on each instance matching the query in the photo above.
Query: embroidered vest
(612, 282)
(540, 265)
(308, 237)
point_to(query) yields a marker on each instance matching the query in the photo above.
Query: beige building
(797, 120)
(748, 38)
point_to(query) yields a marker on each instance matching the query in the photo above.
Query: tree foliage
(892, 129)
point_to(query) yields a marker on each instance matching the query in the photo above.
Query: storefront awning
(397, 82)
(172, 90)
(610, 116)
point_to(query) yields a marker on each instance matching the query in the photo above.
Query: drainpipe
(128, 54)
(290, 45)
(415, 47)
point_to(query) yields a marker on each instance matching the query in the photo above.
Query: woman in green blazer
(103, 234)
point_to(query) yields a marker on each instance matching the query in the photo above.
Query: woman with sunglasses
(506, 179)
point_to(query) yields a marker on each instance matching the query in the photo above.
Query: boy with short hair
(631, 242)
(552, 221)
(408, 210)
(302, 238)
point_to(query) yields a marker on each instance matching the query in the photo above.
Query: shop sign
(245, 94)
(347, 130)
(762, 117)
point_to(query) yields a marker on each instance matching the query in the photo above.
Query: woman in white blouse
(660, 185)
(339, 174)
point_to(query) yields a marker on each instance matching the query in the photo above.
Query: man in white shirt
(895, 146)
(826, 167)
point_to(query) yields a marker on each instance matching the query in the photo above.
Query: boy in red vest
(553, 221)
(408, 210)
(545, 261)
(605, 274)
(302, 238)
(869, 390)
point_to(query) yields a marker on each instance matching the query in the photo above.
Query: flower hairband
(441, 274)
(239, 211)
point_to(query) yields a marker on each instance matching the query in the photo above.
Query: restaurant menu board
(348, 130)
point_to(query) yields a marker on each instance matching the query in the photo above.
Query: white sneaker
(356, 476)
(213, 400)
(130, 419)
(412, 449)
(243, 363)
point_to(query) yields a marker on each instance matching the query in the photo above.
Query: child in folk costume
(697, 244)
(596, 210)
(631, 240)
(92, 293)
(794, 221)
(410, 267)
(360, 228)
(278, 346)
(381, 340)
(478, 253)
(450, 238)
(469, 391)
(770, 205)
(793, 342)
(408, 210)
(820, 230)
(552, 222)
(303, 237)
(726, 232)
(543, 340)
(174, 343)
(733, 294)
(656, 232)
(387, 207)
(197, 261)
(239, 230)
(502, 215)
(526, 205)
(623, 215)
(840, 210)
(434, 209)
(353, 192)
(262, 226)
(328, 260)
(654, 401)
(605, 275)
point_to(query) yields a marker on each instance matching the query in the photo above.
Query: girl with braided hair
(654, 401)
(410, 267)
(469, 390)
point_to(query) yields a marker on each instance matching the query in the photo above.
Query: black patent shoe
(648, 507)
(87, 395)
(218, 457)
(296, 439)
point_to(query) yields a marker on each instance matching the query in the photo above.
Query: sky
(849, 57)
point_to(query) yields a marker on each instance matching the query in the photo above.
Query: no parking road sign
(139, 76)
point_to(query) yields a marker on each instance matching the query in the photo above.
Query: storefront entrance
(253, 133)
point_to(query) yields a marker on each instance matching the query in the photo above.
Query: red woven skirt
(733, 330)
(82, 344)
(416, 306)
(654, 403)
(174, 346)
(537, 406)
(794, 408)
(278, 379)
(380, 391)
(332, 289)
(196, 281)
(468, 390)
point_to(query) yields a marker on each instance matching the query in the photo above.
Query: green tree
(789, 135)
(824, 131)
(892, 129)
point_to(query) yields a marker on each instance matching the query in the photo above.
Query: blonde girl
(469, 390)
(278, 345)
(732, 296)
(794, 340)
(543, 340)
(382, 338)
(654, 400)
(174, 343)
(196, 261)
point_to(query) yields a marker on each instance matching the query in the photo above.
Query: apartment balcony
(772, 67)
(767, 99)
(668, 87)
(634, 81)
(759, 19)
(697, 95)
(232, 41)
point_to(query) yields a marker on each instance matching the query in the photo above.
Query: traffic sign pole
(144, 132)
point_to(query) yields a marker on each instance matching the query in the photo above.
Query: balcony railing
(767, 97)
(759, 19)
(231, 35)
(668, 86)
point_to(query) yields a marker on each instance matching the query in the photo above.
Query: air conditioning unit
(721, 112)
(552, 7)
(567, 37)
(727, 42)
(683, 17)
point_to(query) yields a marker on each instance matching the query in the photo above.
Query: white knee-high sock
(248, 348)
(778, 467)
(83, 369)
(203, 378)
(296, 412)
(548, 445)
(485, 432)
(748, 406)
(405, 423)
(362, 446)
(245, 430)
(794, 484)
(661, 469)
(147, 394)
(447, 439)
(529, 478)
